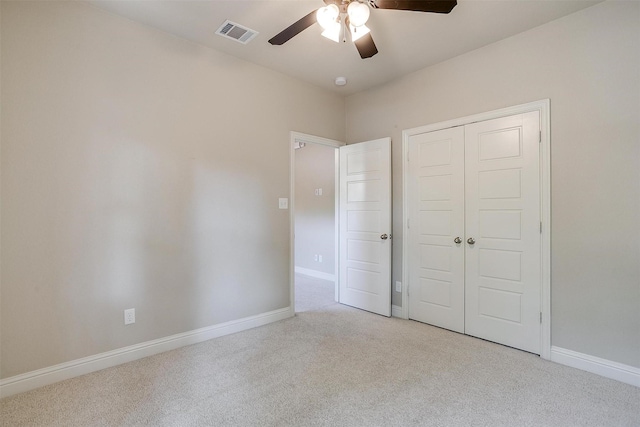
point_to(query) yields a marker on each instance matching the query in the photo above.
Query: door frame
(297, 137)
(543, 107)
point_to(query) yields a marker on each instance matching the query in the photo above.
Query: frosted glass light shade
(358, 13)
(326, 16)
(333, 32)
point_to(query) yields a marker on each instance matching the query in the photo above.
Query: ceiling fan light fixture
(333, 33)
(358, 13)
(327, 16)
(357, 32)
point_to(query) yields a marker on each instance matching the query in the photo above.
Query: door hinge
(541, 227)
(407, 155)
(540, 317)
(408, 226)
(540, 137)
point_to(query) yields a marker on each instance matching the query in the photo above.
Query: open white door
(365, 226)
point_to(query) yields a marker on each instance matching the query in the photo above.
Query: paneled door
(436, 212)
(474, 230)
(502, 196)
(365, 226)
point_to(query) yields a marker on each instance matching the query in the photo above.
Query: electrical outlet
(319, 191)
(398, 286)
(283, 203)
(319, 258)
(315, 257)
(129, 316)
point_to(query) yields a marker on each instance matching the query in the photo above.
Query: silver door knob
(384, 237)
(457, 240)
(471, 241)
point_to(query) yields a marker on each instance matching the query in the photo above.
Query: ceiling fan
(341, 16)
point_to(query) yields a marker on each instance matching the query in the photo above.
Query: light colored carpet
(333, 365)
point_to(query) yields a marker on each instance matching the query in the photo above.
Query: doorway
(314, 221)
(361, 222)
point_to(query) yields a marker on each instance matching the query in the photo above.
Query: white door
(502, 197)
(436, 228)
(479, 183)
(365, 226)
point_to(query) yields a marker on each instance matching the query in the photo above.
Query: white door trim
(543, 106)
(311, 139)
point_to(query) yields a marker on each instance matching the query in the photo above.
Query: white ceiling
(407, 41)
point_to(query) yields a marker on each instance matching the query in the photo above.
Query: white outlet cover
(283, 203)
(398, 286)
(130, 316)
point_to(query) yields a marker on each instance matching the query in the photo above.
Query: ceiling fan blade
(366, 47)
(294, 29)
(435, 6)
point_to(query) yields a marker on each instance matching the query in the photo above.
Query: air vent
(236, 32)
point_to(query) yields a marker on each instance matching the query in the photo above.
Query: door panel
(436, 209)
(365, 215)
(502, 196)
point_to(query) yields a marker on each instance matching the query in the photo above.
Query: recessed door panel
(497, 264)
(500, 224)
(435, 292)
(501, 144)
(363, 251)
(364, 191)
(436, 257)
(363, 162)
(435, 188)
(498, 184)
(362, 281)
(436, 153)
(367, 221)
(500, 305)
(435, 223)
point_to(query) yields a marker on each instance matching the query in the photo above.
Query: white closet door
(502, 198)
(436, 215)
(365, 225)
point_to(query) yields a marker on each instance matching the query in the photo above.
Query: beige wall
(588, 64)
(138, 170)
(142, 170)
(315, 215)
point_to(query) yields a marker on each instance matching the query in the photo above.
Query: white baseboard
(315, 273)
(603, 367)
(41, 377)
(396, 311)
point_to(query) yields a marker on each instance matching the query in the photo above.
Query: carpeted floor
(333, 365)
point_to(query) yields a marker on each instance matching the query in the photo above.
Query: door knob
(457, 240)
(384, 237)
(471, 241)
